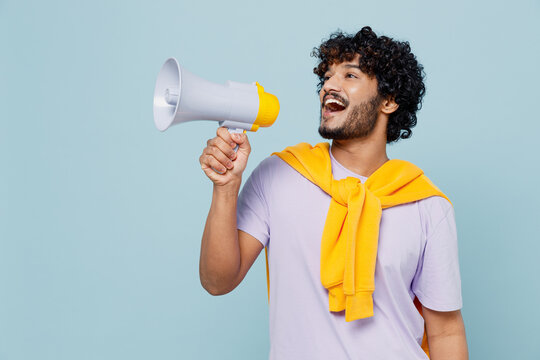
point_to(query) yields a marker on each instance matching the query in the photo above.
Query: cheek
(362, 93)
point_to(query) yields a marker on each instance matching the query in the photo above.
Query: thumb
(243, 143)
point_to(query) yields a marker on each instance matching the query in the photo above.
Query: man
(326, 300)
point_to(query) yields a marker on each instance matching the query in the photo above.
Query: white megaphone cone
(180, 96)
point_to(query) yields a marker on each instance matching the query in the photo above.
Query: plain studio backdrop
(101, 215)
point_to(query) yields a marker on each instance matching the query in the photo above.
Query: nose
(331, 84)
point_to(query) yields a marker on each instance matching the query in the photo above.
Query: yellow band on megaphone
(268, 109)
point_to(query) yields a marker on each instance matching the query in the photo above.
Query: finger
(224, 147)
(212, 174)
(210, 161)
(243, 142)
(224, 133)
(216, 152)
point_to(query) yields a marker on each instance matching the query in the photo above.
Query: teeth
(334, 101)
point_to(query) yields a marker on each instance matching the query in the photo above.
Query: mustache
(334, 96)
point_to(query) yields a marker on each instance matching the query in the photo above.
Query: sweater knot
(342, 191)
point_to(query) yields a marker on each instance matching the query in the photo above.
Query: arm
(445, 334)
(226, 253)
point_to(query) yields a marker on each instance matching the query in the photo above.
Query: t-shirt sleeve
(437, 282)
(252, 208)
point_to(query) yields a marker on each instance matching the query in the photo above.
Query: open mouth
(333, 106)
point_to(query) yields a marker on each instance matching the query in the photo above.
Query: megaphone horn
(180, 96)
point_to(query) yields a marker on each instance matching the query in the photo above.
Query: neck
(361, 156)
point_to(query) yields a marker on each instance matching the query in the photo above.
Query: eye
(351, 75)
(326, 78)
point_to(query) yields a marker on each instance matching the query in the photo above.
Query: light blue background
(101, 215)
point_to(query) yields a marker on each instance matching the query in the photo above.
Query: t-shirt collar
(340, 172)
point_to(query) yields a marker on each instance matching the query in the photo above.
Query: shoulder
(273, 168)
(271, 164)
(269, 171)
(274, 176)
(435, 205)
(434, 210)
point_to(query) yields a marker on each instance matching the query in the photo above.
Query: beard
(359, 123)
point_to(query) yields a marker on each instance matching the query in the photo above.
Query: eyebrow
(347, 66)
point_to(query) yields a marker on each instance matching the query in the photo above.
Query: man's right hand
(219, 161)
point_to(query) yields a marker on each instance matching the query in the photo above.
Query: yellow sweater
(351, 231)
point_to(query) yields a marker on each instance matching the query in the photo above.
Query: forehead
(347, 64)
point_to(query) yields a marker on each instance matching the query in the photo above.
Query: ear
(389, 105)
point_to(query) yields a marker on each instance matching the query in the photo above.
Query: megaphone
(180, 96)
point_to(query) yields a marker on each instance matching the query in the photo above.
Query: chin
(331, 133)
(332, 121)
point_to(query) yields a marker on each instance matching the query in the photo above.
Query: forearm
(220, 252)
(448, 347)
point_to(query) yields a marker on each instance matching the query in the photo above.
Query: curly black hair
(399, 75)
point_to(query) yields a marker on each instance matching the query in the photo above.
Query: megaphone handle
(236, 131)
